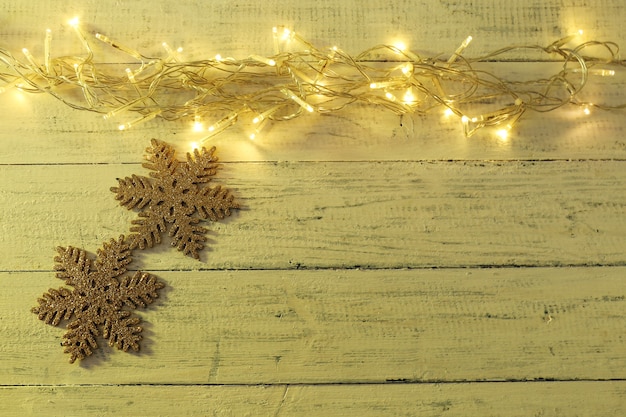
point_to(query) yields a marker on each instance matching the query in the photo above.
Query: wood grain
(324, 326)
(382, 265)
(344, 214)
(245, 27)
(546, 399)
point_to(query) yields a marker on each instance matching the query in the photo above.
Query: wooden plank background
(380, 266)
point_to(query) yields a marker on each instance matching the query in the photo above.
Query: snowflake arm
(134, 192)
(215, 203)
(80, 339)
(187, 236)
(123, 331)
(201, 165)
(113, 258)
(55, 305)
(139, 290)
(161, 159)
(72, 265)
(147, 229)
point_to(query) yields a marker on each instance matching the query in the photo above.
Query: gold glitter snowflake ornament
(101, 301)
(177, 196)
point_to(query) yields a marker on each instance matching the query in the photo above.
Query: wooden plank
(366, 214)
(436, 27)
(546, 399)
(325, 326)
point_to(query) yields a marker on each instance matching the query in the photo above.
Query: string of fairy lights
(300, 78)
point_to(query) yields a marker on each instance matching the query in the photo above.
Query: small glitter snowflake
(101, 300)
(176, 197)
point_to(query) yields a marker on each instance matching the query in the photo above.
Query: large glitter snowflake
(176, 197)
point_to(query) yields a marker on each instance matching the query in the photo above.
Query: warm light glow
(602, 72)
(46, 50)
(409, 97)
(503, 134)
(306, 106)
(459, 50)
(263, 59)
(324, 80)
(139, 120)
(287, 34)
(400, 45)
(130, 75)
(383, 84)
(30, 57)
(198, 126)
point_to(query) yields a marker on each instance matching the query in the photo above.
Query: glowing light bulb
(30, 59)
(46, 50)
(222, 124)
(287, 34)
(448, 112)
(460, 50)
(130, 75)
(503, 134)
(139, 120)
(306, 106)
(198, 126)
(383, 84)
(73, 22)
(409, 97)
(602, 72)
(263, 60)
(399, 45)
(587, 110)
(466, 42)
(263, 116)
(125, 49)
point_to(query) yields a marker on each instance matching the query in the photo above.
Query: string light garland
(300, 78)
